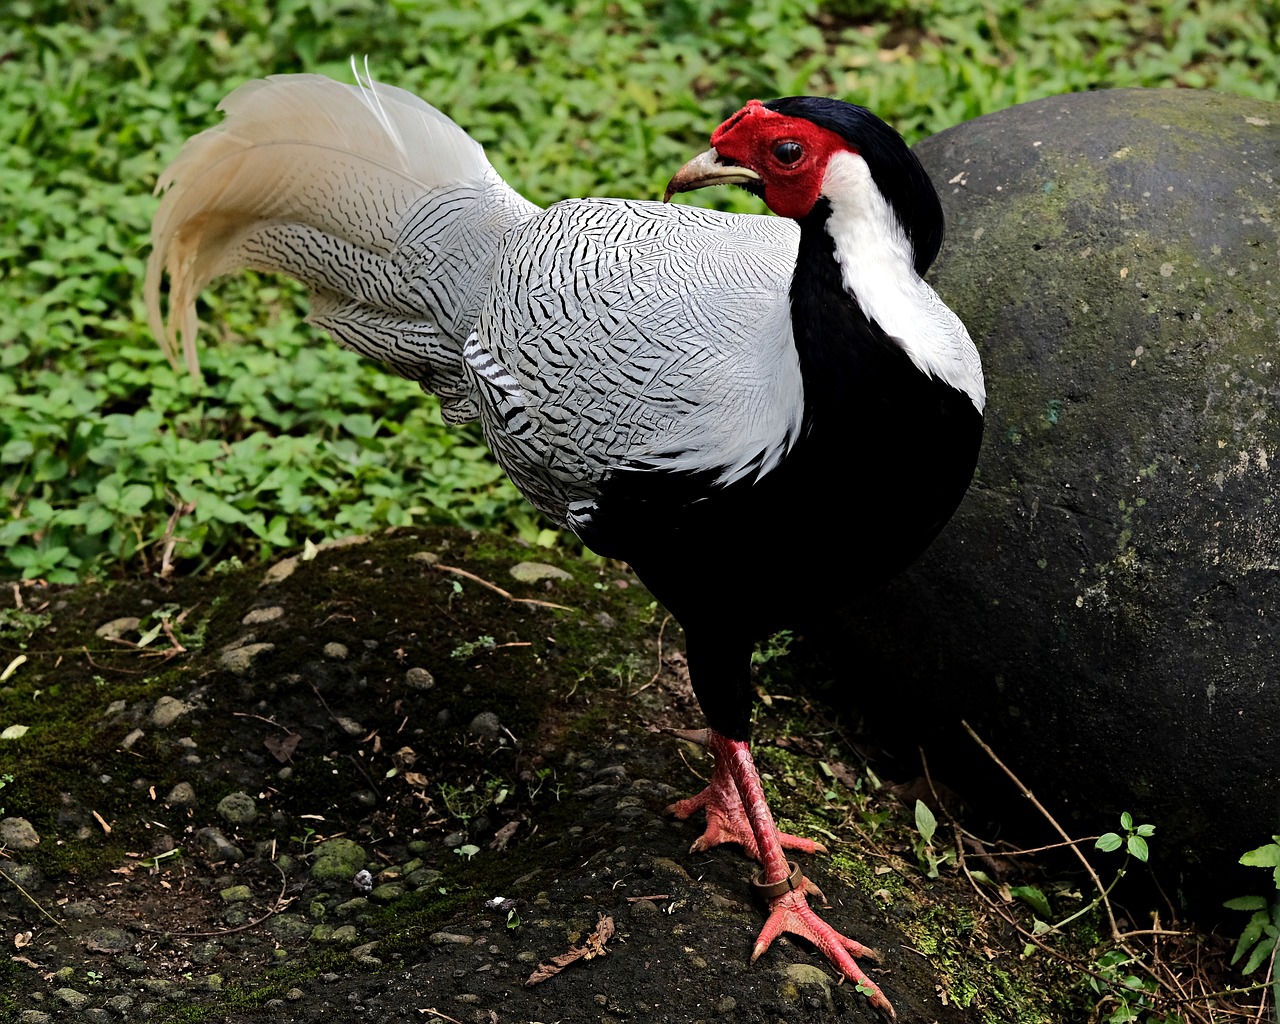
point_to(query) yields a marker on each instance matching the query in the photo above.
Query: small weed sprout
(468, 850)
(1134, 843)
(154, 862)
(5, 779)
(777, 646)
(926, 855)
(538, 780)
(468, 648)
(304, 840)
(1134, 840)
(20, 625)
(1131, 994)
(465, 802)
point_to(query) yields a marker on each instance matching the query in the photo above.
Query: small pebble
(72, 999)
(26, 875)
(217, 848)
(335, 651)
(18, 834)
(260, 615)
(450, 939)
(419, 679)
(167, 711)
(485, 725)
(182, 795)
(238, 808)
(237, 660)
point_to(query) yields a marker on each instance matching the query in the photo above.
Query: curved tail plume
(383, 207)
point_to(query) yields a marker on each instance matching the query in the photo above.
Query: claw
(727, 820)
(738, 812)
(791, 914)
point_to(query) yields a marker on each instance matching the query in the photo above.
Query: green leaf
(17, 450)
(1033, 897)
(1109, 843)
(1126, 821)
(1145, 830)
(150, 634)
(1246, 903)
(1261, 952)
(1263, 857)
(1137, 847)
(1253, 931)
(926, 823)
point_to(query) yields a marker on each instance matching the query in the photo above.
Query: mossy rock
(338, 859)
(1102, 607)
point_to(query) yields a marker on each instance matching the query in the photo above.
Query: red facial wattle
(752, 138)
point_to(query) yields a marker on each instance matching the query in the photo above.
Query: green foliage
(1034, 898)
(1259, 937)
(1127, 995)
(777, 646)
(469, 648)
(1134, 840)
(18, 625)
(926, 827)
(102, 444)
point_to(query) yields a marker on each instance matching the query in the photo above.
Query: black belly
(859, 497)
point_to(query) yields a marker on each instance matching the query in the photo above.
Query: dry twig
(1171, 992)
(498, 590)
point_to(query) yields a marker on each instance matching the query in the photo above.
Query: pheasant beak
(708, 168)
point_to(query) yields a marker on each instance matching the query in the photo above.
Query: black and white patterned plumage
(659, 339)
(594, 335)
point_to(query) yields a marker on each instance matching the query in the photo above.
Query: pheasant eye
(788, 152)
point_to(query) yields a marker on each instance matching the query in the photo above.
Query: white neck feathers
(878, 268)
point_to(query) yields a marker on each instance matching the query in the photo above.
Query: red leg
(789, 912)
(726, 818)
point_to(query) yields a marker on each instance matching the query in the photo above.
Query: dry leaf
(282, 750)
(404, 758)
(503, 835)
(593, 947)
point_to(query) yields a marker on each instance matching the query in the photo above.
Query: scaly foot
(791, 914)
(727, 820)
(737, 810)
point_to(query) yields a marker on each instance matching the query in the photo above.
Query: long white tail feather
(387, 210)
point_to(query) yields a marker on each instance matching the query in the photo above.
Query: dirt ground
(408, 707)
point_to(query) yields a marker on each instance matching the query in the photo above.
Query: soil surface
(388, 781)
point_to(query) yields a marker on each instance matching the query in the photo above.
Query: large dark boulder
(1104, 604)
